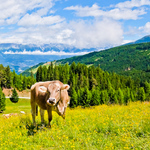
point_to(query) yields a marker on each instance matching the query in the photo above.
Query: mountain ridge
(132, 59)
(21, 57)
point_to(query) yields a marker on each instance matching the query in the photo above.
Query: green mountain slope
(131, 60)
(117, 59)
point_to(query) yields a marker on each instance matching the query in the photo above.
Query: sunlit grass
(101, 127)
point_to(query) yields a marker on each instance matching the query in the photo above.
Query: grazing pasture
(102, 127)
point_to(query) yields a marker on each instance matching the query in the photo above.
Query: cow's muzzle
(51, 101)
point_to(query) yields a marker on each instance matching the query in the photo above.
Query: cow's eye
(58, 90)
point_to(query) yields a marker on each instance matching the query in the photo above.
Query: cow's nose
(52, 100)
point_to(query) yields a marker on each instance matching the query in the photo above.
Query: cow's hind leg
(33, 111)
(42, 116)
(49, 111)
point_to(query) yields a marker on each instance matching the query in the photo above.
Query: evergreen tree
(95, 100)
(104, 97)
(2, 76)
(14, 98)
(39, 74)
(56, 73)
(73, 67)
(2, 101)
(31, 80)
(24, 84)
(127, 97)
(112, 96)
(51, 72)
(66, 72)
(8, 77)
(120, 96)
(74, 99)
(86, 97)
(147, 88)
(44, 73)
(141, 94)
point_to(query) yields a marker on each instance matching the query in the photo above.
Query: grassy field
(97, 128)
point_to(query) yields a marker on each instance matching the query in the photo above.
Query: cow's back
(37, 96)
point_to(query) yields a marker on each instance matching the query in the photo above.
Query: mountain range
(131, 60)
(22, 57)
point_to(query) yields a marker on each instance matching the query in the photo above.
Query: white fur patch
(57, 84)
(42, 89)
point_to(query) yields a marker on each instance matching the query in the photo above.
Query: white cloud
(118, 12)
(133, 3)
(36, 22)
(12, 11)
(102, 34)
(38, 52)
(145, 28)
(34, 19)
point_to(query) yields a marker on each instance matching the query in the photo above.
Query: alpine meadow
(100, 127)
(74, 75)
(121, 121)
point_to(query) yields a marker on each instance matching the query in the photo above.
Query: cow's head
(53, 92)
(63, 103)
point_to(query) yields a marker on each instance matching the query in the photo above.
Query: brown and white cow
(50, 96)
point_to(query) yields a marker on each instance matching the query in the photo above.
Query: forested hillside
(10, 79)
(131, 60)
(92, 86)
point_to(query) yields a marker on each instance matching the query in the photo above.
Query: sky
(78, 23)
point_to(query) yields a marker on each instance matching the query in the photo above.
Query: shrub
(14, 98)
(2, 101)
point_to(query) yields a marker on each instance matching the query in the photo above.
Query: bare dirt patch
(24, 93)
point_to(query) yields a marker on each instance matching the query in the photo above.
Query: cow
(50, 96)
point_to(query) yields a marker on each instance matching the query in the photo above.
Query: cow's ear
(65, 87)
(42, 89)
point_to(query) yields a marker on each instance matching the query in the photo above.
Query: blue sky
(79, 23)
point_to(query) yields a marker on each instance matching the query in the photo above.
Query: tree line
(90, 86)
(10, 79)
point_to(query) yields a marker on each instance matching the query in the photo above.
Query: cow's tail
(36, 110)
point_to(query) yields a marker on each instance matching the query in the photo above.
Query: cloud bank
(37, 22)
(38, 52)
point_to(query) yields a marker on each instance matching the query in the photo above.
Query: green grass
(22, 105)
(101, 127)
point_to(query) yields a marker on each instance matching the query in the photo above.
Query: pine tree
(127, 96)
(141, 94)
(120, 96)
(86, 97)
(14, 98)
(24, 85)
(95, 100)
(2, 101)
(104, 97)
(74, 99)
(51, 72)
(73, 67)
(56, 73)
(32, 79)
(8, 77)
(147, 88)
(39, 74)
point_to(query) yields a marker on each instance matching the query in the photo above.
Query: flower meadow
(93, 128)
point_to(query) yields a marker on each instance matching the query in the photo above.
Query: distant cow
(50, 96)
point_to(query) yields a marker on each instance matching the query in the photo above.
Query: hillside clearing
(100, 127)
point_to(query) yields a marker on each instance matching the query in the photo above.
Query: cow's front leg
(42, 116)
(33, 111)
(49, 111)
